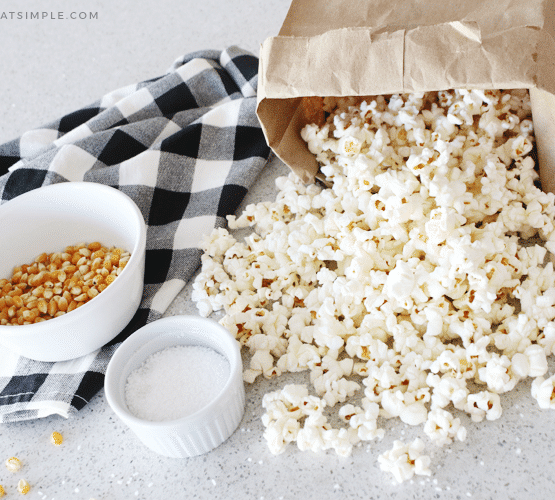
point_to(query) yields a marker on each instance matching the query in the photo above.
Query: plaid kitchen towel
(185, 147)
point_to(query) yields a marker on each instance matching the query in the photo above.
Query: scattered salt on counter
(176, 382)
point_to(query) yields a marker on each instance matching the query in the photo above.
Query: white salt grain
(176, 382)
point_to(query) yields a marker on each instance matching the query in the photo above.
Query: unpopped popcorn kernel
(34, 292)
(23, 487)
(56, 438)
(13, 464)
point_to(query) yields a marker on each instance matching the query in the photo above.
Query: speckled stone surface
(50, 67)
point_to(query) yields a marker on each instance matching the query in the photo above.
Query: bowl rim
(147, 333)
(11, 331)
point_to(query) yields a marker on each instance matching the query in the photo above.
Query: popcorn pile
(423, 277)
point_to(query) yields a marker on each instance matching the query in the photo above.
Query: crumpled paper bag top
(345, 47)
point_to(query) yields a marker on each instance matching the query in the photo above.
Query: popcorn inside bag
(425, 271)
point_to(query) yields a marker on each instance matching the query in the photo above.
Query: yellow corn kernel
(56, 438)
(42, 258)
(31, 304)
(94, 246)
(70, 269)
(42, 306)
(56, 256)
(52, 307)
(37, 279)
(88, 276)
(98, 254)
(2, 491)
(96, 264)
(30, 315)
(109, 279)
(23, 487)
(13, 464)
(16, 291)
(63, 304)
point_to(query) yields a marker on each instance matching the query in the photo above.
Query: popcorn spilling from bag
(421, 280)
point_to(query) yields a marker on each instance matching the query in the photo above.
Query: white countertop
(54, 66)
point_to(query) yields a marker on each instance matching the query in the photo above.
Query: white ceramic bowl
(199, 432)
(50, 218)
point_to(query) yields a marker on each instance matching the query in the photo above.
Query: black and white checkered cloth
(185, 147)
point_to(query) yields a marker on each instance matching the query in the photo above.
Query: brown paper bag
(372, 47)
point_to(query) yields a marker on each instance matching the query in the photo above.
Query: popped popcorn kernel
(13, 464)
(543, 390)
(23, 487)
(405, 460)
(2, 491)
(56, 438)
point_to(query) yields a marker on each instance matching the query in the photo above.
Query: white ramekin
(194, 434)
